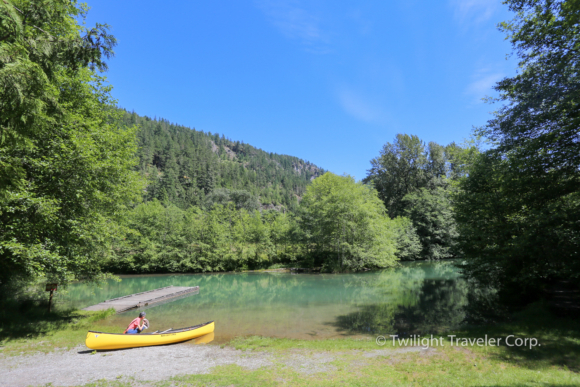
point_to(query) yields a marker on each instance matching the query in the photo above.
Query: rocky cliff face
(299, 166)
(308, 168)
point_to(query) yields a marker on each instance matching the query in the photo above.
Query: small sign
(51, 287)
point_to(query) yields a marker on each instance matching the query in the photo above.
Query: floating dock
(144, 299)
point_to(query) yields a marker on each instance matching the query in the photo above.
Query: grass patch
(559, 339)
(554, 362)
(449, 368)
(30, 328)
(276, 344)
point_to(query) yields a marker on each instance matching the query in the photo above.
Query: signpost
(50, 288)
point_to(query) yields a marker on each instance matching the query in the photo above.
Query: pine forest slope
(184, 166)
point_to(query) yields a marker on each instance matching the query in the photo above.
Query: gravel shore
(150, 364)
(80, 366)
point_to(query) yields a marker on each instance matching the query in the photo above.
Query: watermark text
(454, 341)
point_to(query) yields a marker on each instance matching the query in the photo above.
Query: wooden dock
(144, 299)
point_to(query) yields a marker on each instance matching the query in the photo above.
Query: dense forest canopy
(184, 166)
(339, 225)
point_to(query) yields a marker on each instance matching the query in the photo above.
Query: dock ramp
(144, 299)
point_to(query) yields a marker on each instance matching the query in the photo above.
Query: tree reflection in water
(416, 302)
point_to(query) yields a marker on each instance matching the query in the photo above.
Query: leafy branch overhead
(66, 165)
(519, 207)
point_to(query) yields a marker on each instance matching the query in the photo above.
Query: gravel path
(79, 366)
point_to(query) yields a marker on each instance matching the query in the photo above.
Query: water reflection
(416, 297)
(423, 298)
(204, 339)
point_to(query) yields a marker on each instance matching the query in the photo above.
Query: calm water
(424, 297)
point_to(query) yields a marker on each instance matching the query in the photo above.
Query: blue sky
(328, 81)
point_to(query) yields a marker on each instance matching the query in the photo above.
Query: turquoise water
(422, 297)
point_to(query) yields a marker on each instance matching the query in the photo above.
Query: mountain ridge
(184, 165)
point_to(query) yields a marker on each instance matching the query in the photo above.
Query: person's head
(142, 315)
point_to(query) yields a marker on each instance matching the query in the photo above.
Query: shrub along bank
(340, 225)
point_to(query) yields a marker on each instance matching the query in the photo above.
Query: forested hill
(184, 166)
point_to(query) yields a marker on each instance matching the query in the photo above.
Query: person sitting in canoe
(137, 325)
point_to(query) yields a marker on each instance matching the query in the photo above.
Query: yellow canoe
(102, 340)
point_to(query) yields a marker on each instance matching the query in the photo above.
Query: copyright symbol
(381, 340)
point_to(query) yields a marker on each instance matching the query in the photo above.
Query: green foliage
(342, 225)
(401, 168)
(408, 242)
(346, 222)
(185, 166)
(65, 164)
(431, 212)
(416, 181)
(519, 207)
(222, 238)
(240, 198)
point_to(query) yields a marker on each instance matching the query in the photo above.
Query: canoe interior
(178, 330)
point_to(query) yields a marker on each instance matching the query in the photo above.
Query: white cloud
(483, 81)
(360, 107)
(473, 11)
(296, 23)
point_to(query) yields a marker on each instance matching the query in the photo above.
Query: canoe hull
(102, 340)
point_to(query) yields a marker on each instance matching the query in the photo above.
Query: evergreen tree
(185, 164)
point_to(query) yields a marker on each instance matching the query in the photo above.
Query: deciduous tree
(519, 207)
(65, 164)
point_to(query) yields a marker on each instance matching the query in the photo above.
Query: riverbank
(282, 362)
(60, 358)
